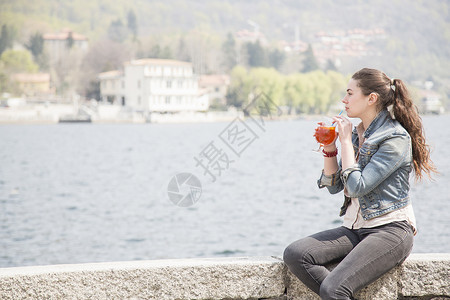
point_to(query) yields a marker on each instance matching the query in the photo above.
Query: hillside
(416, 45)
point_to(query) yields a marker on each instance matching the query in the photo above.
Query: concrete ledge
(421, 276)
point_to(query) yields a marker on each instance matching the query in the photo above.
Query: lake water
(78, 193)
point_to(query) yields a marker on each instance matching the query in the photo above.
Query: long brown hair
(394, 92)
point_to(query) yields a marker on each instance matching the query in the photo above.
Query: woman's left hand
(345, 128)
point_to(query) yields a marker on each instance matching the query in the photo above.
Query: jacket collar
(377, 122)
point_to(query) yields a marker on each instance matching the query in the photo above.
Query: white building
(216, 86)
(154, 85)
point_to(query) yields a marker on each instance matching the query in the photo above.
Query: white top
(353, 218)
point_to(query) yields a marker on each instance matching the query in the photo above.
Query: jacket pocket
(365, 154)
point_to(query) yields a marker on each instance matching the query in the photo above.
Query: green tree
(239, 89)
(299, 92)
(166, 53)
(268, 81)
(229, 53)
(257, 56)
(309, 62)
(4, 81)
(330, 66)
(276, 58)
(132, 23)
(292, 91)
(338, 83)
(322, 91)
(117, 32)
(6, 38)
(69, 40)
(182, 51)
(16, 61)
(155, 51)
(35, 44)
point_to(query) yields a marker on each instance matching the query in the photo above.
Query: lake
(76, 193)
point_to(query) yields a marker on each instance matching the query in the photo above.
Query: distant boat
(75, 119)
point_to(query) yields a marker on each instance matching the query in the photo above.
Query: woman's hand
(332, 146)
(345, 128)
(345, 137)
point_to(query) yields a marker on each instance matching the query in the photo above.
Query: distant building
(154, 85)
(351, 43)
(296, 46)
(112, 87)
(216, 86)
(430, 102)
(247, 36)
(59, 44)
(33, 84)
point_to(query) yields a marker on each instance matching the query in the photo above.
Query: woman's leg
(306, 257)
(381, 249)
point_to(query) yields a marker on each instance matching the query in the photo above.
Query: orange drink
(325, 135)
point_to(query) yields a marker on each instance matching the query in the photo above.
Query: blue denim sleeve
(391, 155)
(332, 182)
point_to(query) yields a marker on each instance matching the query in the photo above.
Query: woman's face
(355, 102)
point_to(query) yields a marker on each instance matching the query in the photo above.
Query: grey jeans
(365, 254)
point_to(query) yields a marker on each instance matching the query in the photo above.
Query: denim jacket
(380, 178)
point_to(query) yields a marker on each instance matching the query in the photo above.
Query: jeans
(365, 255)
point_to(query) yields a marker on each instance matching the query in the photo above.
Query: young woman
(377, 158)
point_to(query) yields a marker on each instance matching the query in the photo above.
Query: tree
(117, 32)
(132, 23)
(6, 38)
(16, 61)
(338, 83)
(257, 56)
(35, 44)
(239, 89)
(276, 58)
(322, 91)
(155, 51)
(166, 53)
(300, 92)
(104, 55)
(4, 80)
(69, 40)
(182, 51)
(229, 53)
(330, 66)
(269, 81)
(309, 62)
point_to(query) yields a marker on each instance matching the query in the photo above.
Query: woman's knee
(295, 252)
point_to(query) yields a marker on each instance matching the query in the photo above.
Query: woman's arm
(345, 137)
(330, 164)
(331, 174)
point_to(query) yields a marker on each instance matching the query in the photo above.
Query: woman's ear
(373, 98)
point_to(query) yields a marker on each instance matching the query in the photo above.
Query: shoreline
(106, 114)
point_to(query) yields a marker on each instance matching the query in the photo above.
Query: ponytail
(407, 114)
(394, 96)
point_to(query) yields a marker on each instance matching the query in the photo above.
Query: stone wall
(421, 276)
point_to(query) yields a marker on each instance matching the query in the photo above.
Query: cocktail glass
(324, 134)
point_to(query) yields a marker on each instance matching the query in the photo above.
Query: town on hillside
(157, 88)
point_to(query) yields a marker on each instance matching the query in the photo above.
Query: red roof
(64, 35)
(31, 77)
